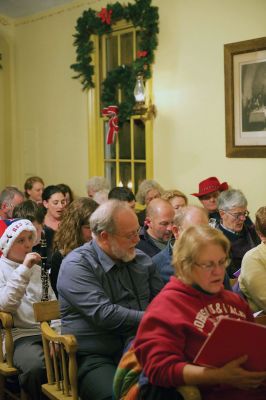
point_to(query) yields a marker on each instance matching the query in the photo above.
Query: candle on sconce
(139, 91)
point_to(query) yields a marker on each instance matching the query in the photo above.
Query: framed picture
(245, 98)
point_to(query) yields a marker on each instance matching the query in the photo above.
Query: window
(129, 159)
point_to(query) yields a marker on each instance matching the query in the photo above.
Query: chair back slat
(48, 361)
(64, 371)
(57, 368)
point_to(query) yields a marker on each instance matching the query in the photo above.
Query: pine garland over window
(145, 18)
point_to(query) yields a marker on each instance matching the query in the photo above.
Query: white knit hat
(10, 229)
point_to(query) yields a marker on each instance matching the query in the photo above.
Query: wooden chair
(261, 319)
(60, 355)
(7, 368)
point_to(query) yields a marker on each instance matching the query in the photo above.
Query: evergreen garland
(143, 16)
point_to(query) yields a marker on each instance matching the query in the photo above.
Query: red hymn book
(231, 339)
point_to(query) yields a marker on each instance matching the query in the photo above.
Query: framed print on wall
(245, 98)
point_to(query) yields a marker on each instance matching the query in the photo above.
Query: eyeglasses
(130, 236)
(239, 215)
(209, 266)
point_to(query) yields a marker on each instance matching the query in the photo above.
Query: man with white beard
(104, 288)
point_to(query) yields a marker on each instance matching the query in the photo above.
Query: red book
(231, 339)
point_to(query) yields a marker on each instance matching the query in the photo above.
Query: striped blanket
(129, 377)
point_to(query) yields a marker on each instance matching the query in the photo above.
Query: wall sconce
(139, 91)
(140, 107)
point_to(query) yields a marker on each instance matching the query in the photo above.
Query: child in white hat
(20, 287)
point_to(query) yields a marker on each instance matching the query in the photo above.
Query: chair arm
(6, 319)
(69, 341)
(189, 392)
(6, 325)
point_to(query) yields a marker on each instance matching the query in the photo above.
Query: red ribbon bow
(111, 112)
(141, 53)
(105, 16)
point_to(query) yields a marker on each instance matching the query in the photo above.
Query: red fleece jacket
(173, 329)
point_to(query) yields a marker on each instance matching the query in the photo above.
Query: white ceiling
(25, 8)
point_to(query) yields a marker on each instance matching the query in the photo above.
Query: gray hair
(97, 183)
(8, 194)
(145, 187)
(101, 196)
(231, 198)
(182, 213)
(103, 218)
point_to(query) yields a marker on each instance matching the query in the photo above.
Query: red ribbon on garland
(105, 16)
(141, 53)
(112, 113)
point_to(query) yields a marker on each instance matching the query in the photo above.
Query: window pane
(140, 174)
(125, 173)
(111, 57)
(139, 140)
(111, 53)
(109, 149)
(127, 48)
(110, 173)
(124, 142)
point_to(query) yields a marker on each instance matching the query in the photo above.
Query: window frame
(97, 161)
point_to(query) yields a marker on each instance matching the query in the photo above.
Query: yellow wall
(50, 127)
(6, 100)
(189, 93)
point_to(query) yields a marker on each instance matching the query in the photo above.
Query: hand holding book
(231, 339)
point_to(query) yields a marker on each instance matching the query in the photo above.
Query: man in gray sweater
(104, 288)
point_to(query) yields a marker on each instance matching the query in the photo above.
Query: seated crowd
(106, 263)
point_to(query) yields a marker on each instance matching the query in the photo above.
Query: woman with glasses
(236, 226)
(183, 314)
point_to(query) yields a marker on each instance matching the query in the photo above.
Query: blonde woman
(176, 198)
(183, 314)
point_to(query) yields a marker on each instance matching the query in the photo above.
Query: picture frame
(245, 98)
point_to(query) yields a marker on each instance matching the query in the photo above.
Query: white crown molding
(53, 12)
